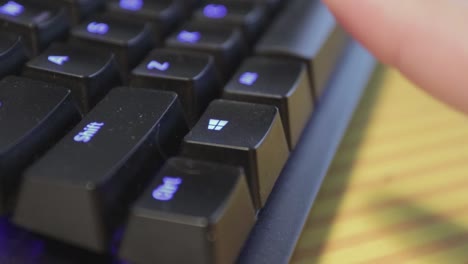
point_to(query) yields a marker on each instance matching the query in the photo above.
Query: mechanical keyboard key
(191, 75)
(227, 45)
(77, 9)
(128, 41)
(306, 31)
(12, 54)
(90, 75)
(193, 212)
(162, 15)
(38, 25)
(33, 116)
(283, 83)
(242, 134)
(92, 174)
(249, 17)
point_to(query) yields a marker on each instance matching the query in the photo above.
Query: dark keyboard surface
(139, 131)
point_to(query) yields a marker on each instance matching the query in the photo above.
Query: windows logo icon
(216, 124)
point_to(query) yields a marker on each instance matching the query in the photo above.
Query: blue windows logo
(215, 11)
(189, 37)
(88, 132)
(98, 28)
(248, 78)
(12, 8)
(216, 124)
(167, 190)
(132, 5)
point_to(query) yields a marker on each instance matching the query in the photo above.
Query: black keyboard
(173, 131)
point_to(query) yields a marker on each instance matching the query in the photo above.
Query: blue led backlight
(98, 28)
(88, 132)
(189, 37)
(215, 11)
(132, 5)
(248, 78)
(12, 8)
(167, 190)
(156, 65)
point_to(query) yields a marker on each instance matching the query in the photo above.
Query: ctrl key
(193, 212)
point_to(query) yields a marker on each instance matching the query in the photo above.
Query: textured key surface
(23, 247)
(89, 75)
(92, 173)
(77, 9)
(226, 44)
(38, 25)
(249, 17)
(162, 15)
(192, 76)
(242, 134)
(191, 211)
(33, 116)
(308, 32)
(282, 83)
(12, 53)
(128, 41)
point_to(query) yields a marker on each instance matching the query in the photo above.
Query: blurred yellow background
(397, 191)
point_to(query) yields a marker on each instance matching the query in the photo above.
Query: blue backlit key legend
(248, 78)
(59, 60)
(12, 8)
(98, 28)
(88, 132)
(215, 11)
(132, 5)
(167, 190)
(216, 124)
(188, 37)
(156, 65)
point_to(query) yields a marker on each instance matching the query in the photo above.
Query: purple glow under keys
(215, 11)
(167, 190)
(189, 37)
(11, 8)
(132, 5)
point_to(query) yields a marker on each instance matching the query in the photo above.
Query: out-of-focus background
(397, 191)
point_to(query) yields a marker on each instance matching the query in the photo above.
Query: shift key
(79, 191)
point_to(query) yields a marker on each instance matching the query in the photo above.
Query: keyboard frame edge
(280, 223)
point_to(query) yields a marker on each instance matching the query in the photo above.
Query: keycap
(273, 5)
(192, 212)
(162, 15)
(249, 17)
(242, 134)
(192, 76)
(306, 31)
(37, 24)
(12, 54)
(77, 9)
(90, 75)
(282, 83)
(92, 174)
(130, 42)
(33, 116)
(227, 45)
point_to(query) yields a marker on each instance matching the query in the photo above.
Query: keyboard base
(281, 221)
